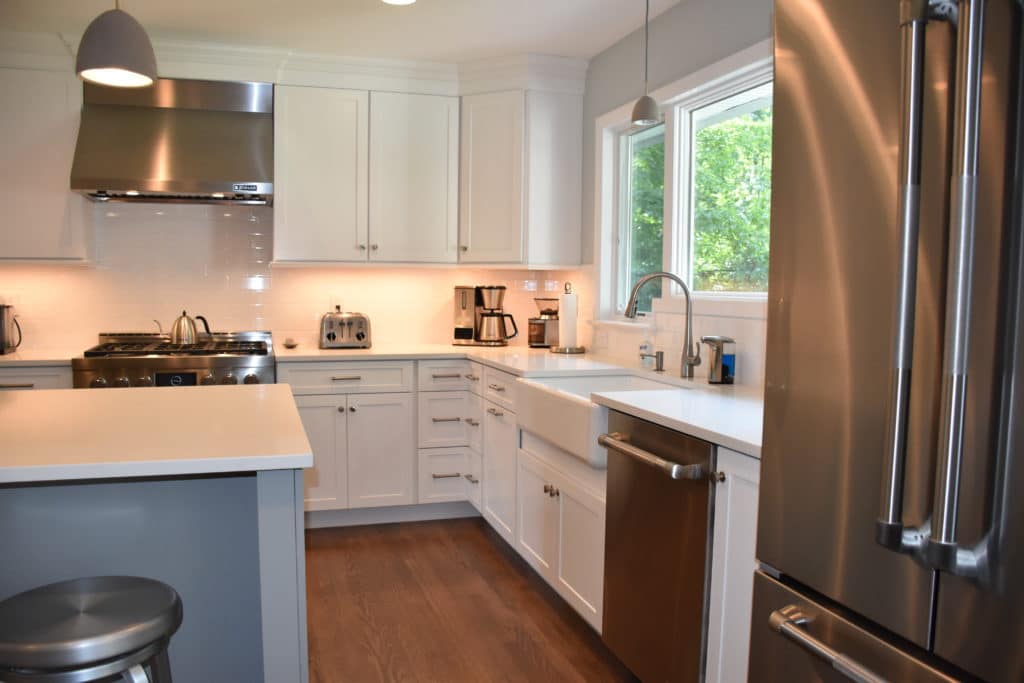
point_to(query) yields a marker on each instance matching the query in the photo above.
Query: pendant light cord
(647, 29)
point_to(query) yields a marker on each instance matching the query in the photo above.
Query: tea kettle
(183, 331)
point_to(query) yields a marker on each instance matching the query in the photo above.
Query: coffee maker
(483, 323)
(544, 328)
(8, 326)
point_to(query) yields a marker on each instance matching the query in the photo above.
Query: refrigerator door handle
(914, 16)
(942, 550)
(791, 623)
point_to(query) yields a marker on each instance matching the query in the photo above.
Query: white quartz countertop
(39, 357)
(728, 416)
(518, 360)
(62, 434)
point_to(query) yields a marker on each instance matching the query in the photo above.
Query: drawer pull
(446, 419)
(22, 385)
(473, 378)
(471, 479)
(496, 387)
(449, 376)
(347, 378)
(472, 423)
(456, 475)
(495, 412)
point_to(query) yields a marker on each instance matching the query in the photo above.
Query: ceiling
(430, 30)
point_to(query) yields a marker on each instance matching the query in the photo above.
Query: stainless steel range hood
(177, 141)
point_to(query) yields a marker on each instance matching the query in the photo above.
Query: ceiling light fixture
(116, 51)
(646, 111)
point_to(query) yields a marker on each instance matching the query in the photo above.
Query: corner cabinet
(732, 567)
(321, 136)
(521, 184)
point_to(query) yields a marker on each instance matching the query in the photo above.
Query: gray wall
(684, 39)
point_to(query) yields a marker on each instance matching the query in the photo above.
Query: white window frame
(740, 72)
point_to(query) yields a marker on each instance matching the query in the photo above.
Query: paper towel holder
(567, 350)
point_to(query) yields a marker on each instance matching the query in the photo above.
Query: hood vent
(181, 141)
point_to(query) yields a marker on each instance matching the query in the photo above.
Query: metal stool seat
(89, 629)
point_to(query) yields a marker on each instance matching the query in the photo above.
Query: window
(692, 195)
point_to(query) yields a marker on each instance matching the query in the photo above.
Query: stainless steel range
(144, 360)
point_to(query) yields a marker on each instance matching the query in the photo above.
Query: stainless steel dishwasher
(657, 548)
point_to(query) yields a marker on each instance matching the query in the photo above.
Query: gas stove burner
(113, 349)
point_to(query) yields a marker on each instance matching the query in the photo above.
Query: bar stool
(102, 628)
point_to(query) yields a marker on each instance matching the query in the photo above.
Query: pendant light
(116, 51)
(646, 111)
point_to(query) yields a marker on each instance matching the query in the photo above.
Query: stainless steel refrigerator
(891, 518)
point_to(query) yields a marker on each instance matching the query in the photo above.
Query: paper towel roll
(568, 306)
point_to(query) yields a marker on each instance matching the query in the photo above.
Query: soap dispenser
(722, 369)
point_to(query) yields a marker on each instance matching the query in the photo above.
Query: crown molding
(183, 59)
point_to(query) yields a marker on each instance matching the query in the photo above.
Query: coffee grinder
(544, 328)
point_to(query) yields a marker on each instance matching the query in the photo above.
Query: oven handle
(617, 442)
(791, 623)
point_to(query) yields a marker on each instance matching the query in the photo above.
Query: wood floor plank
(439, 601)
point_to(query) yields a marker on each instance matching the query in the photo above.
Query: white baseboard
(389, 515)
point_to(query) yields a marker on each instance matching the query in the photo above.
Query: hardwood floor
(439, 601)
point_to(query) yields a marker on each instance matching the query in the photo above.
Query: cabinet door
(414, 177)
(323, 418)
(732, 567)
(580, 567)
(42, 219)
(442, 419)
(381, 450)
(442, 473)
(537, 523)
(491, 217)
(320, 174)
(15, 378)
(499, 472)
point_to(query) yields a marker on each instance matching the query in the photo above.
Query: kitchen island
(199, 487)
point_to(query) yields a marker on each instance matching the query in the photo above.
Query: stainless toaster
(339, 330)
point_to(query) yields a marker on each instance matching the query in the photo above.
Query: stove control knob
(229, 379)
(98, 383)
(144, 381)
(122, 382)
(208, 379)
(251, 378)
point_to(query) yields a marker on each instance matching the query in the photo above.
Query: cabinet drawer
(475, 378)
(443, 419)
(346, 377)
(471, 480)
(12, 379)
(475, 422)
(443, 375)
(442, 474)
(498, 387)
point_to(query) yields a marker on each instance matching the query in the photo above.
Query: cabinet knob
(464, 248)
(374, 247)
(362, 247)
(547, 489)
(554, 492)
(341, 409)
(351, 409)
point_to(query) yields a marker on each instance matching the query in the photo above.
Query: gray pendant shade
(115, 50)
(646, 112)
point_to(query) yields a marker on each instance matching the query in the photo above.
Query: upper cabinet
(521, 182)
(321, 136)
(365, 176)
(42, 218)
(414, 178)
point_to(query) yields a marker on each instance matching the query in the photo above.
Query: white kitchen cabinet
(537, 523)
(43, 218)
(499, 470)
(732, 567)
(521, 182)
(580, 569)
(414, 178)
(442, 418)
(442, 473)
(321, 139)
(381, 450)
(324, 419)
(35, 377)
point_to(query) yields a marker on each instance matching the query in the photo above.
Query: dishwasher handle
(617, 442)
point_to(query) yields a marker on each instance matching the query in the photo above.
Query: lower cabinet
(499, 469)
(442, 474)
(560, 533)
(732, 567)
(35, 377)
(364, 450)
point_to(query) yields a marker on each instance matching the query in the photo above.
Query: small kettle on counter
(722, 369)
(183, 331)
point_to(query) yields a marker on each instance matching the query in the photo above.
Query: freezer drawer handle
(617, 442)
(792, 623)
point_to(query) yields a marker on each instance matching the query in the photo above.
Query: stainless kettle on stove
(183, 331)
